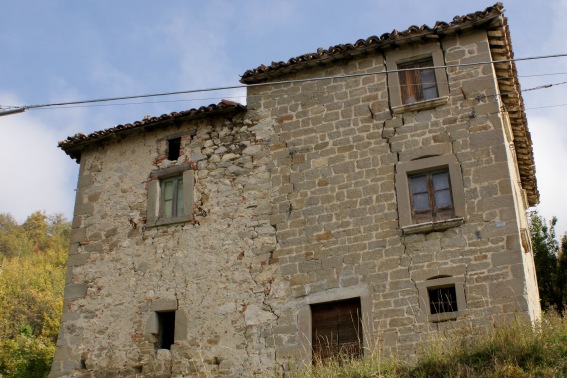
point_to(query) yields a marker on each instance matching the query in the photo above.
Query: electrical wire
(110, 99)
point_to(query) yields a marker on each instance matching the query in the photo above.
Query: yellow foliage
(32, 279)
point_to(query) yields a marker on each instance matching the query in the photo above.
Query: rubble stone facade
(304, 197)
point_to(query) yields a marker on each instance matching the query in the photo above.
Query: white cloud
(36, 174)
(549, 138)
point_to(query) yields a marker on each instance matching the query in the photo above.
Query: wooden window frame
(434, 213)
(155, 210)
(177, 209)
(397, 58)
(405, 169)
(412, 86)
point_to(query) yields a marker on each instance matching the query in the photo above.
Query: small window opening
(173, 148)
(166, 330)
(442, 299)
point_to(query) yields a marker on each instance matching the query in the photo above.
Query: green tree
(32, 278)
(550, 261)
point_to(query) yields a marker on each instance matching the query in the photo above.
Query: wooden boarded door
(336, 330)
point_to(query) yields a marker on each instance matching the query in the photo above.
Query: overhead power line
(18, 109)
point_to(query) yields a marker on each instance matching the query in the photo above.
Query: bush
(517, 350)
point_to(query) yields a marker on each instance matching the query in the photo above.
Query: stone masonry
(301, 198)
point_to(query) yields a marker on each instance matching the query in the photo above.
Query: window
(173, 148)
(424, 86)
(336, 329)
(170, 196)
(442, 298)
(166, 329)
(417, 85)
(430, 194)
(431, 198)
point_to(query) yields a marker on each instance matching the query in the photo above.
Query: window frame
(434, 212)
(176, 191)
(414, 75)
(155, 210)
(413, 53)
(441, 282)
(153, 328)
(406, 169)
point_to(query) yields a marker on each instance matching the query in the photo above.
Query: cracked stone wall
(213, 270)
(336, 148)
(296, 203)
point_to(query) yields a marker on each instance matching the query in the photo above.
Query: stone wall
(212, 270)
(298, 201)
(337, 146)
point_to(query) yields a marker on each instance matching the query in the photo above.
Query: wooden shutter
(336, 330)
(417, 85)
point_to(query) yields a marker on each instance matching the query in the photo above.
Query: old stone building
(366, 197)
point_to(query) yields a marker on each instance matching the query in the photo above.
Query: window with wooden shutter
(431, 197)
(418, 85)
(337, 330)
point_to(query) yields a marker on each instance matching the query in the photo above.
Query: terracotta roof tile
(264, 72)
(72, 144)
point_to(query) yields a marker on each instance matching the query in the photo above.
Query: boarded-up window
(431, 197)
(418, 85)
(336, 330)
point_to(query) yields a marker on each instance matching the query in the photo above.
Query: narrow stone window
(166, 329)
(336, 330)
(173, 148)
(418, 85)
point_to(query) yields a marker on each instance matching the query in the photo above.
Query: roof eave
(385, 42)
(75, 148)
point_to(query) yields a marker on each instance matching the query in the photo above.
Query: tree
(550, 259)
(32, 278)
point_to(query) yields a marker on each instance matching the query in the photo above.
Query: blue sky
(64, 50)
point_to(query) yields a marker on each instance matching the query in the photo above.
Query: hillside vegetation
(517, 350)
(32, 277)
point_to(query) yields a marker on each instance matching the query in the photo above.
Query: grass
(517, 350)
